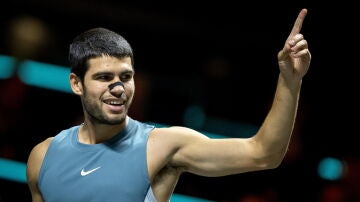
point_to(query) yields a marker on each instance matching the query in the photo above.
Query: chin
(115, 121)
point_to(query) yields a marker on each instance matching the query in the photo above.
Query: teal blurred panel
(210, 135)
(7, 66)
(44, 75)
(230, 128)
(183, 198)
(12, 170)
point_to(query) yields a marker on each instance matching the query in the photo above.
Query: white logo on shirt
(83, 173)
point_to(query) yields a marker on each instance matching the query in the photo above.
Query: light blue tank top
(113, 171)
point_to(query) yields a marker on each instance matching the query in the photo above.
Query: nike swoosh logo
(83, 173)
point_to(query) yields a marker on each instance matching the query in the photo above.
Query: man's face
(103, 104)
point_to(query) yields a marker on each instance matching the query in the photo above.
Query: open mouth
(113, 102)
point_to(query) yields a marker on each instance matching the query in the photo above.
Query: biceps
(217, 157)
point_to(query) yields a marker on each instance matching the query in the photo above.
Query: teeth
(113, 102)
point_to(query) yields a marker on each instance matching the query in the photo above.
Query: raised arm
(266, 149)
(272, 140)
(294, 61)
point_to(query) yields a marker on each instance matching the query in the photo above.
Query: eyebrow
(111, 73)
(101, 73)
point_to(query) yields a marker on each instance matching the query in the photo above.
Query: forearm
(274, 135)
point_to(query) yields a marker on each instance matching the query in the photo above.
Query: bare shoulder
(40, 149)
(165, 142)
(33, 166)
(163, 145)
(175, 135)
(36, 157)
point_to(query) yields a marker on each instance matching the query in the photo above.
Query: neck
(93, 133)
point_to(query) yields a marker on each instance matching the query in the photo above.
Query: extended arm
(294, 61)
(266, 149)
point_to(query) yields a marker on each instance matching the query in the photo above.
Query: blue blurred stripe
(44, 75)
(183, 198)
(12, 170)
(7, 66)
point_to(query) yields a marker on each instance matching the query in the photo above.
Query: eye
(103, 77)
(126, 77)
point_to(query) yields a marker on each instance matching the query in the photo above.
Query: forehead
(109, 64)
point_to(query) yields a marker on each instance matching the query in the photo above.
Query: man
(112, 157)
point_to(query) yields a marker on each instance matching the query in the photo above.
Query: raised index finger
(298, 23)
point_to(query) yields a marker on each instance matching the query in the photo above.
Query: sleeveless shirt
(112, 171)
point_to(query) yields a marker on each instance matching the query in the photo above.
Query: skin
(183, 149)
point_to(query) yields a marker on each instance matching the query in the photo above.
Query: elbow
(269, 157)
(267, 163)
(270, 164)
(274, 159)
(275, 164)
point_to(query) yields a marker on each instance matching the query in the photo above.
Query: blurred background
(210, 66)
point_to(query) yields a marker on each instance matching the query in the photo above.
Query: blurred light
(183, 198)
(7, 66)
(230, 128)
(210, 135)
(330, 168)
(45, 76)
(194, 117)
(12, 170)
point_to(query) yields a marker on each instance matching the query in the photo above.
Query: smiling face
(102, 104)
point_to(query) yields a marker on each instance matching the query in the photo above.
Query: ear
(76, 84)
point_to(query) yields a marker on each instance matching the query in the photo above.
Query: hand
(294, 59)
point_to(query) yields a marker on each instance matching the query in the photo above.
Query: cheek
(89, 98)
(92, 92)
(99, 86)
(96, 87)
(130, 90)
(129, 93)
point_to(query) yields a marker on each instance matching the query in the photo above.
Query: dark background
(217, 55)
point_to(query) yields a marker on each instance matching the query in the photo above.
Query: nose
(113, 85)
(117, 88)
